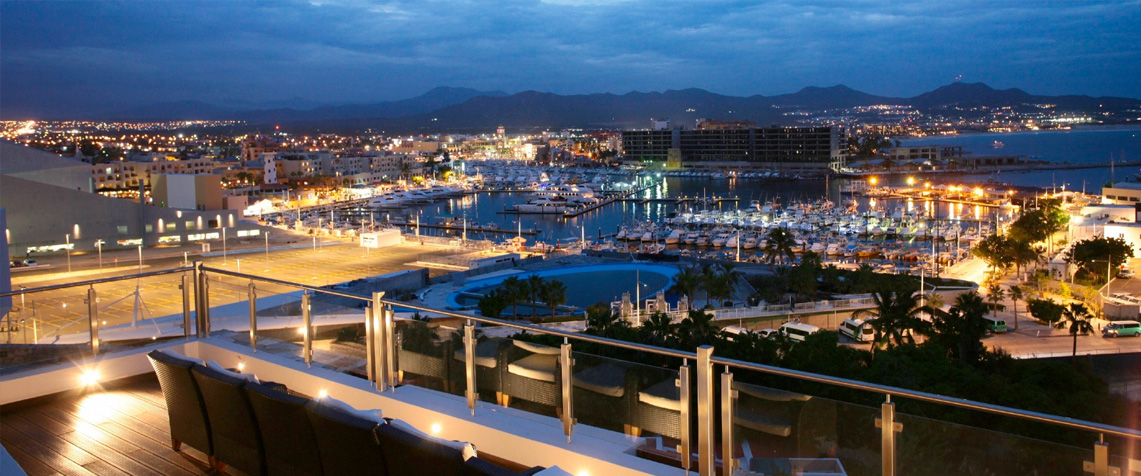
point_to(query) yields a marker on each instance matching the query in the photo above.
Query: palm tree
(1076, 317)
(513, 291)
(896, 318)
(961, 330)
(534, 287)
(995, 294)
(660, 328)
(698, 329)
(779, 244)
(554, 293)
(718, 284)
(1015, 293)
(687, 281)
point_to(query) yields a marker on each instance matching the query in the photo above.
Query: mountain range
(462, 109)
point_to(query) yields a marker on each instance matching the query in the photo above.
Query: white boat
(542, 206)
(388, 200)
(674, 236)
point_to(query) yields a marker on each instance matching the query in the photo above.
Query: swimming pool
(586, 284)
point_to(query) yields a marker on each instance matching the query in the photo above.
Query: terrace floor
(120, 430)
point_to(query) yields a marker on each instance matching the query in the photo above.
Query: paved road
(65, 311)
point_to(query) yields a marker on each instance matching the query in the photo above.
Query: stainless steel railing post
(566, 364)
(380, 342)
(93, 319)
(369, 345)
(389, 329)
(469, 366)
(685, 448)
(888, 428)
(307, 328)
(252, 294)
(185, 286)
(728, 396)
(199, 300)
(705, 434)
(1101, 457)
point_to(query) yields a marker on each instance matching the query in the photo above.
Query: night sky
(67, 58)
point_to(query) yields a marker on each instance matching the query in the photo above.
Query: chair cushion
(536, 348)
(247, 377)
(330, 402)
(664, 394)
(465, 448)
(485, 354)
(536, 367)
(607, 379)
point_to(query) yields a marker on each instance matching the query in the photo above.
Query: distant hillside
(469, 110)
(434, 99)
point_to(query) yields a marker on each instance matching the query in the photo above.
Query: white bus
(796, 331)
(859, 330)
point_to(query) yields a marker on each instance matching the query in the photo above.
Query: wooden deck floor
(122, 430)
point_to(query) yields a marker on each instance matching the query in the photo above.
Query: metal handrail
(90, 282)
(933, 398)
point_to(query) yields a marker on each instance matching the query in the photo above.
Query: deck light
(90, 377)
(241, 366)
(322, 393)
(436, 429)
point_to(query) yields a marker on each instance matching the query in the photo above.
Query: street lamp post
(67, 240)
(99, 246)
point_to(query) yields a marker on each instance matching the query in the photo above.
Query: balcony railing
(691, 409)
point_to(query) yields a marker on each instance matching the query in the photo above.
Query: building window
(122, 229)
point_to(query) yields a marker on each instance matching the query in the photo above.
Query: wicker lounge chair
(237, 441)
(421, 353)
(602, 393)
(346, 441)
(487, 374)
(788, 424)
(531, 373)
(290, 445)
(657, 408)
(188, 421)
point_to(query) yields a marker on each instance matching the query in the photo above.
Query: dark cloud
(68, 57)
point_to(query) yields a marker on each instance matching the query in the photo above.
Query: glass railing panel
(338, 332)
(278, 317)
(491, 346)
(229, 307)
(53, 326)
(1014, 446)
(426, 354)
(780, 428)
(636, 399)
(529, 375)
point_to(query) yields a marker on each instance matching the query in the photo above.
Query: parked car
(1122, 329)
(1125, 273)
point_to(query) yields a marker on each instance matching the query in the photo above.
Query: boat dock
(470, 229)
